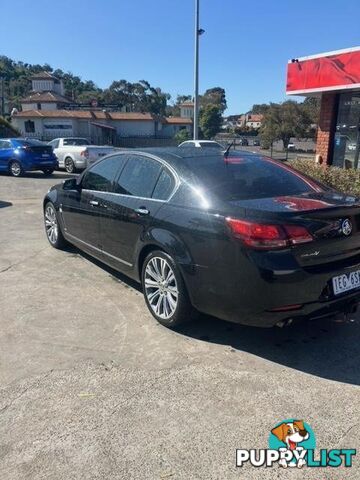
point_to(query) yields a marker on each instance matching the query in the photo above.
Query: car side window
(139, 177)
(54, 143)
(102, 175)
(5, 144)
(164, 186)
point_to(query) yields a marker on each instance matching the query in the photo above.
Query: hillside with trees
(136, 97)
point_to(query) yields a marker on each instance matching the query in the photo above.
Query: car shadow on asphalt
(325, 348)
(5, 204)
(34, 175)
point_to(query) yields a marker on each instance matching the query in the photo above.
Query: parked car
(256, 142)
(76, 153)
(202, 144)
(208, 232)
(18, 156)
(291, 146)
(243, 142)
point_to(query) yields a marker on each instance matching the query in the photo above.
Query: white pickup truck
(77, 153)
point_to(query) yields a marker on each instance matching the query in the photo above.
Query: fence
(127, 142)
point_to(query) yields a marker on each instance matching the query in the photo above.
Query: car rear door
(141, 189)
(6, 152)
(83, 208)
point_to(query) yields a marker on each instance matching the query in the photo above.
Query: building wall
(19, 124)
(187, 112)
(43, 85)
(325, 131)
(48, 128)
(34, 106)
(170, 130)
(132, 128)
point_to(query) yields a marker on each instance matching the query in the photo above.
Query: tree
(214, 96)
(283, 121)
(210, 121)
(259, 108)
(311, 106)
(182, 135)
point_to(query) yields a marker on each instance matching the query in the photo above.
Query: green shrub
(346, 181)
(182, 136)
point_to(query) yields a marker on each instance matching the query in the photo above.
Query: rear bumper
(248, 295)
(39, 163)
(81, 164)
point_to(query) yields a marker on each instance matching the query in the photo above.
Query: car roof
(179, 157)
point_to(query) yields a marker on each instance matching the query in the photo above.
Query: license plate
(45, 155)
(347, 281)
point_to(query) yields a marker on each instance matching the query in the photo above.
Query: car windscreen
(236, 178)
(78, 142)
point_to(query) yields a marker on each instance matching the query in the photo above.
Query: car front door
(131, 209)
(82, 208)
(6, 152)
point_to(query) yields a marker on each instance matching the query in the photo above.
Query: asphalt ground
(93, 388)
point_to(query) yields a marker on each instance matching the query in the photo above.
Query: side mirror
(71, 184)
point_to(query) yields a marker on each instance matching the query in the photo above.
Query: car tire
(69, 165)
(52, 227)
(15, 168)
(48, 171)
(164, 290)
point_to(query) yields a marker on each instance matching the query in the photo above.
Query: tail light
(265, 236)
(85, 153)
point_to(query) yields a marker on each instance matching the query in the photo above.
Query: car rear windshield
(210, 145)
(79, 142)
(237, 178)
(28, 143)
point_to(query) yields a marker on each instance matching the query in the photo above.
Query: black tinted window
(164, 186)
(76, 141)
(101, 175)
(238, 178)
(210, 145)
(139, 177)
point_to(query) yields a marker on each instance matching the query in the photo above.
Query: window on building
(347, 131)
(29, 126)
(39, 106)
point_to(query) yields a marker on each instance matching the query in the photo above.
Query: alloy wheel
(161, 288)
(69, 165)
(51, 225)
(15, 168)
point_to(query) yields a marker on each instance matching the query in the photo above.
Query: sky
(245, 47)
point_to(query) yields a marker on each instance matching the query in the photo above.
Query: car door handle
(94, 203)
(142, 211)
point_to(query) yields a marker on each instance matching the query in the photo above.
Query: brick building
(334, 77)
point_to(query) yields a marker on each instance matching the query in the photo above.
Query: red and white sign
(338, 70)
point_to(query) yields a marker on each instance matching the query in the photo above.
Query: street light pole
(196, 72)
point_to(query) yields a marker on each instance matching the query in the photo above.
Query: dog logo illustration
(291, 434)
(292, 444)
(346, 227)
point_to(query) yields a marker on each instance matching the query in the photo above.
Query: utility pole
(198, 32)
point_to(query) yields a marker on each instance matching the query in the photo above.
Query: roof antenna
(226, 153)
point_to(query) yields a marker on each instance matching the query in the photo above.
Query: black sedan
(241, 237)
